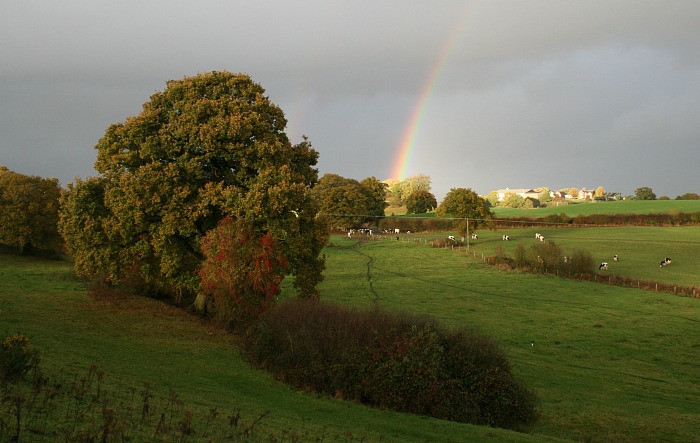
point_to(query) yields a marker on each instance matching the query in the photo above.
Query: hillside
(612, 207)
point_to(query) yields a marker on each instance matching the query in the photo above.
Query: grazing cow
(616, 258)
(541, 237)
(538, 235)
(603, 265)
(397, 230)
(506, 238)
(475, 237)
(665, 262)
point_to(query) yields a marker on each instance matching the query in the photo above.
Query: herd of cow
(603, 265)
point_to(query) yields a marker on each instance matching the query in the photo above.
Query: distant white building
(523, 192)
(560, 195)
(586, 194)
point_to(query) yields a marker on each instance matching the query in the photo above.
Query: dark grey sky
(531, 93)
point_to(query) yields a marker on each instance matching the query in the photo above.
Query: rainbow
(406, 147)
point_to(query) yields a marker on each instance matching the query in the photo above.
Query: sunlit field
(608, 363)
(640, 249)
(612, 207)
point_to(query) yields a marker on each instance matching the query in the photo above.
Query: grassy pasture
(609, 208)
(640, 248)
(136, 341)
(609, 363)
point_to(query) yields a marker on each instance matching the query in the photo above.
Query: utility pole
(468, 235)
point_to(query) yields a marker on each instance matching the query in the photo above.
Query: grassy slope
(610, 364)
(137, 340)
(619, 207)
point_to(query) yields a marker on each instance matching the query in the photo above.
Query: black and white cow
(665, 262)
(603, 265)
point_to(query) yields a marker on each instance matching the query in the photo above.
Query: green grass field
(640, 248)
(608, 363)
(613, 207)
(573, 209)
(139, 342)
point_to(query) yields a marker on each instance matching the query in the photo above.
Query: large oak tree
(207, 147)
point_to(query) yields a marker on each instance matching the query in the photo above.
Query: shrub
(16, 358)
(545, 256)
(520, 256)
(391, 360)
(581, 262)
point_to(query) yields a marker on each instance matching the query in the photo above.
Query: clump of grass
(392, 360)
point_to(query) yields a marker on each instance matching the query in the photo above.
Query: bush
(545, 256)
(581, 262)
(16, 358)
(391, 360)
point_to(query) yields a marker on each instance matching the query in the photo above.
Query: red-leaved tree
(241, 272)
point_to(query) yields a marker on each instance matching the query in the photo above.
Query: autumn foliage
(241, 272)
(392, 360)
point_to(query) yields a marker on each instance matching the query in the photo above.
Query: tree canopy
(29, 211)
(644, 193)
(207, 147)
(471, 210)
(346, 202)
(420, 202)
(399, 190)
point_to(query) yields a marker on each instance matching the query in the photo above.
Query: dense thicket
(392, 360)
(207, 147)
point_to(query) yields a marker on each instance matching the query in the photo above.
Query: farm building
(523, 192)
(586, 194)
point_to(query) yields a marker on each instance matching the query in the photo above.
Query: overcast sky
(524, 93)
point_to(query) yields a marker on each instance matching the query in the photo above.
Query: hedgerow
(391, 360)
